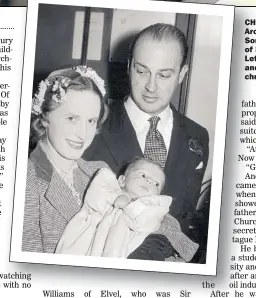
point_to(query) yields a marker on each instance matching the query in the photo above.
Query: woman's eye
(72, 119)
(157, 184)
(92, 121)
(143, 175)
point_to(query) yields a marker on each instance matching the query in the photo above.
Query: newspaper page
(127, 148)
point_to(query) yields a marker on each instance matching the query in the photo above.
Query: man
(146, 124)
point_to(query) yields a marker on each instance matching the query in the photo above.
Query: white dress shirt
(140, 123)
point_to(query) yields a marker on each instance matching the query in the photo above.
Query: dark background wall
(55, 41)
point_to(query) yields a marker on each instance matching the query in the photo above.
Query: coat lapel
(120, 136)
(176, 148)
(180, 167)
(61, 197)
(177, 139)
(57, 192)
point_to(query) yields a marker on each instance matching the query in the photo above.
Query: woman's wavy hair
(77, 82)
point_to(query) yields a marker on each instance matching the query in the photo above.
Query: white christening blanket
(100, 229)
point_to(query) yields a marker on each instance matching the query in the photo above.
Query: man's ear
(121, 180)
(183, 72)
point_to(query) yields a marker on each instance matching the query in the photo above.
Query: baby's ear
(121, 180)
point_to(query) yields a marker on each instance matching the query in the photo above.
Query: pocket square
(200, 165)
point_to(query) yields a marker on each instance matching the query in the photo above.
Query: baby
(127, 217)
(139, 178)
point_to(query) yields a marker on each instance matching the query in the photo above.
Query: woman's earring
(44, 123)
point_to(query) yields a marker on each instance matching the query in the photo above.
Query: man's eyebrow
(142, 65)
(160, 70)
(166, 69)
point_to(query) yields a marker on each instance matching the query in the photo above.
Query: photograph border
(16, 255)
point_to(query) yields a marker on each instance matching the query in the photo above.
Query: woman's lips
(75, 145)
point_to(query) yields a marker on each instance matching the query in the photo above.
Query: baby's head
(142, 177)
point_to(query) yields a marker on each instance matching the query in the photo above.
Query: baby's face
(143, 178)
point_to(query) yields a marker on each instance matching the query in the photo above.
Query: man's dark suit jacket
(186, 162)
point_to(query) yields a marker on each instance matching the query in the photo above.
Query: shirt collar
(139, 118)
(165, 116)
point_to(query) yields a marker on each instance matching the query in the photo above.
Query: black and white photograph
(122, 135)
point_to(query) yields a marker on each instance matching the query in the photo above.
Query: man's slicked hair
(162, 32)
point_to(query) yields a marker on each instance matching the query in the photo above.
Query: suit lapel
(177, 147)
(180, 167)
(61, 197)
(120, 136)
(57, 192)
(176, 140)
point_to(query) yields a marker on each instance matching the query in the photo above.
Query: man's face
(155, 73)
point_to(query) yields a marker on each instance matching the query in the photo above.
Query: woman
(68, 109)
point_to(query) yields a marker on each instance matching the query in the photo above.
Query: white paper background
(80, 280)
(217, 172)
